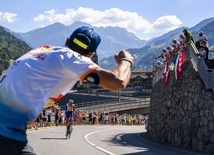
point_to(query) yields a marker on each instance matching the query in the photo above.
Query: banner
(179, 65)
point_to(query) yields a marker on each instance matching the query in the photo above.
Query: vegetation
(11, 48)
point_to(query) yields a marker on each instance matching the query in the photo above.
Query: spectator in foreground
(44, 75)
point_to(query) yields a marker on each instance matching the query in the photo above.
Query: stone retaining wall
(182, 112)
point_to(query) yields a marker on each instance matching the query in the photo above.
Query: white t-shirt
(202, 54)
(43, 75)
(203, 37)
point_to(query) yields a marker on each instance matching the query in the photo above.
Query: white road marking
(97, 147)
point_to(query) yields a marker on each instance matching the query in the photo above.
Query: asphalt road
(99, 140)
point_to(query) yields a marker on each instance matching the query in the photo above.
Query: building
(141, 79)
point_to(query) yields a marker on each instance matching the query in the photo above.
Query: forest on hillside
(11, 48)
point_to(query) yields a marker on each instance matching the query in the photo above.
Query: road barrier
(114, 104)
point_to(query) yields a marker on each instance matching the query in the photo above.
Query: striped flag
(166, 74)
(179, 65)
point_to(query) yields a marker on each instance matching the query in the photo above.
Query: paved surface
(99, 140)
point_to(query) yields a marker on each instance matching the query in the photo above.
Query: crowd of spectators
(54, 116)
(169, 52)
(202, 46)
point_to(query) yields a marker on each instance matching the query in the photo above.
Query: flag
(172, 64)
(179, 65)
(166, 74)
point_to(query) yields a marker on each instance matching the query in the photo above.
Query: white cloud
(113, 17)
(7, 17)
(163, 24)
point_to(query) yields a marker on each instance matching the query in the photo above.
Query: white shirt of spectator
(203, 37)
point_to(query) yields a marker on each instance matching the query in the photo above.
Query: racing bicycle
(69, 129)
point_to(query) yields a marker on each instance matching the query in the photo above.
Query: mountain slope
(54, 34)
(113, 39)
(10, 48)
(144, 57)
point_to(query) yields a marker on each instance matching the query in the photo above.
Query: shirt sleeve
(79, 65)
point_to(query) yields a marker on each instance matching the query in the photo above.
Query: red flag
(179, 65)
(166, 74)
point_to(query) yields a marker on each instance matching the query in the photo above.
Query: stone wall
(182, 112)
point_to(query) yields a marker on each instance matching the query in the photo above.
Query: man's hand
(123, 54)
(117, 78)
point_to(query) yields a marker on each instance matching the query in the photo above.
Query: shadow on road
(146, 146)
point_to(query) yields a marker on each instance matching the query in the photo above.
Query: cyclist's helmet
(70, 101)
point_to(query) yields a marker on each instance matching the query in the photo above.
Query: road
(98, 140)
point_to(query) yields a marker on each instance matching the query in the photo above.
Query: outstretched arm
(117, 78)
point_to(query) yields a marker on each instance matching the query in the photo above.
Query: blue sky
(145, 18)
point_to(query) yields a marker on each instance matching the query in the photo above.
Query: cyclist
(69, 112)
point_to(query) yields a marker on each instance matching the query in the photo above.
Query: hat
(184, 30)
(90, 37)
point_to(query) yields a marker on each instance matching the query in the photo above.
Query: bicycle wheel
(68, 132)
(66, 135)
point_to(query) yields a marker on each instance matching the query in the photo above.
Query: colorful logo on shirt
(37, 52)
(39, 55)
(45, 48)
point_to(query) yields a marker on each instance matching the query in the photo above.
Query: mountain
(144, 56)
(54, 34)
(202, 24)
(208, 29)
(113, 38)
(10, 48)
(170, 34)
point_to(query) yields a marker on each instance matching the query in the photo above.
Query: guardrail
(118, 106)
(114, 104)
(158, 75)
(207, 75)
